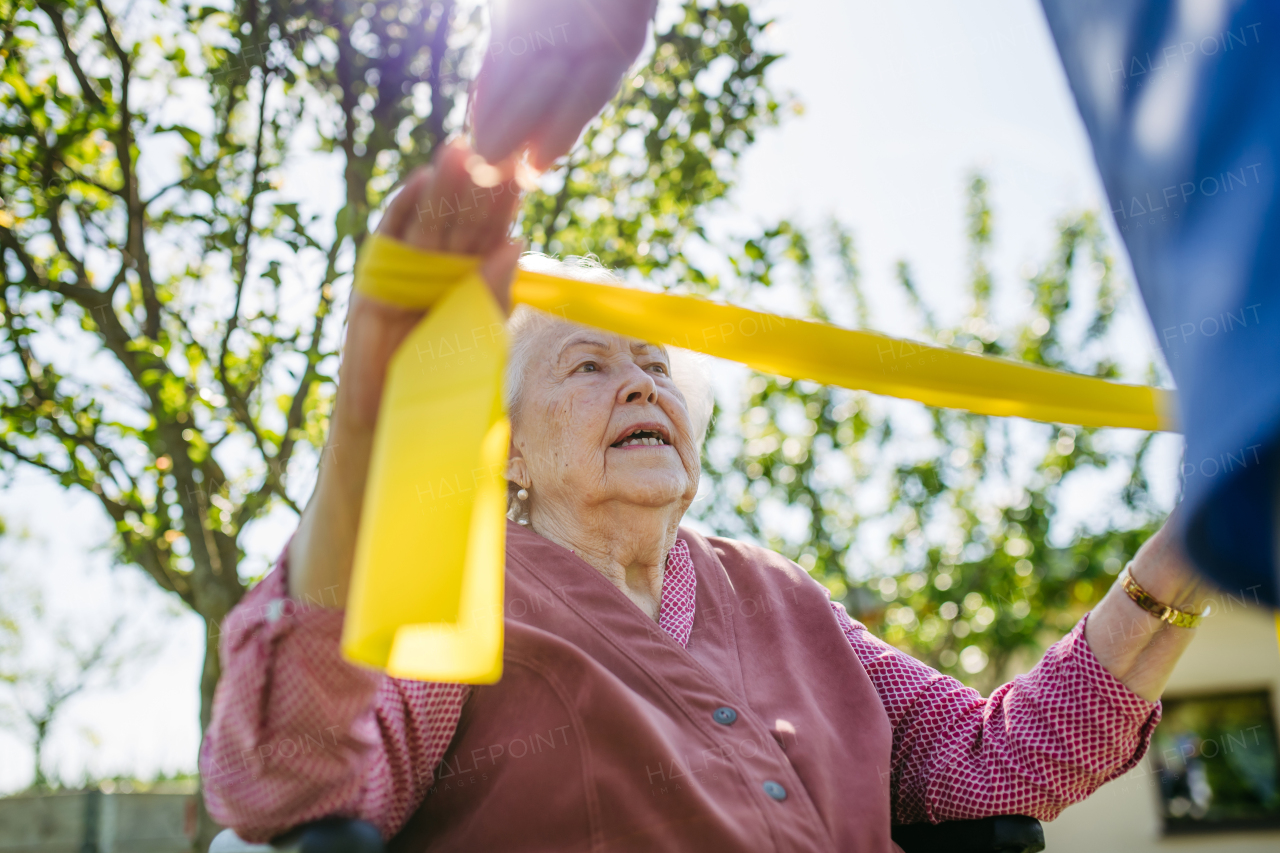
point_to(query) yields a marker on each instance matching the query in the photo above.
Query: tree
(975, 569)
(47, 660)
(171, 319)
(10, 630)
(40, 692)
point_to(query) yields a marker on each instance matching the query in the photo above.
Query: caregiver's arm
(323, 549)
(551, 66)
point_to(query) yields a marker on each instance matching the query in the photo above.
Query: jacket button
(775, 790)
(724, 715)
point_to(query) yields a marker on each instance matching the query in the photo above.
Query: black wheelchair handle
(1001, 834)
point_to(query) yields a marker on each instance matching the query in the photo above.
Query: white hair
(526, 323)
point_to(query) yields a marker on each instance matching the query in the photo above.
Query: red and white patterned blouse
(298, 733)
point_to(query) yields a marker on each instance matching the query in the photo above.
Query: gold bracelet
(1163, 612)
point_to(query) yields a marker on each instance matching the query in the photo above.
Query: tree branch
(136, 214)
(69, 54)
(240, 267)
(273, 482)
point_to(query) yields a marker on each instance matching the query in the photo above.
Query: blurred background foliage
(172, 303)
(956, 559)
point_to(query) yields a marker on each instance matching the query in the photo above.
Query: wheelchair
(1001, 834)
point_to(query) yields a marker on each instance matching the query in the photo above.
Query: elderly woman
(662, 690)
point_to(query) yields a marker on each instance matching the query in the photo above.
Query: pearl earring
(523, 494)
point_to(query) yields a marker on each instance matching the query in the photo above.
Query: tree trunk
(42, 733)
(206, 827)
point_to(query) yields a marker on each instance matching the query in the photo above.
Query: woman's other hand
(459, 204)
(1135, 646)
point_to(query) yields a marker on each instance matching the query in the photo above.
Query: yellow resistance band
(426, 593)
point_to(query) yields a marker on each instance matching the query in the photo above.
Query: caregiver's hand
(322, 551)
(551, 66)
(1134, 646)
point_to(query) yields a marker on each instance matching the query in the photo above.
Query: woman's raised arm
(443, 208)
(297, 732)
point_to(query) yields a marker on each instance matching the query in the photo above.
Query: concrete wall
(1235, 650)
(118, 823)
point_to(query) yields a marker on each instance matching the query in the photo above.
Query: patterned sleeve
(1040, 743)
(298, 733)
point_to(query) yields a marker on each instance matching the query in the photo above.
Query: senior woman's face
(600, 420)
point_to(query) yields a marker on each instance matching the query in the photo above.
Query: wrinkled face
(601, 420)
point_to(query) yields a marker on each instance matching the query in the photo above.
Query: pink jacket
(298, 733)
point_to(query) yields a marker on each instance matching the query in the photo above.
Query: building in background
(1211, 780)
